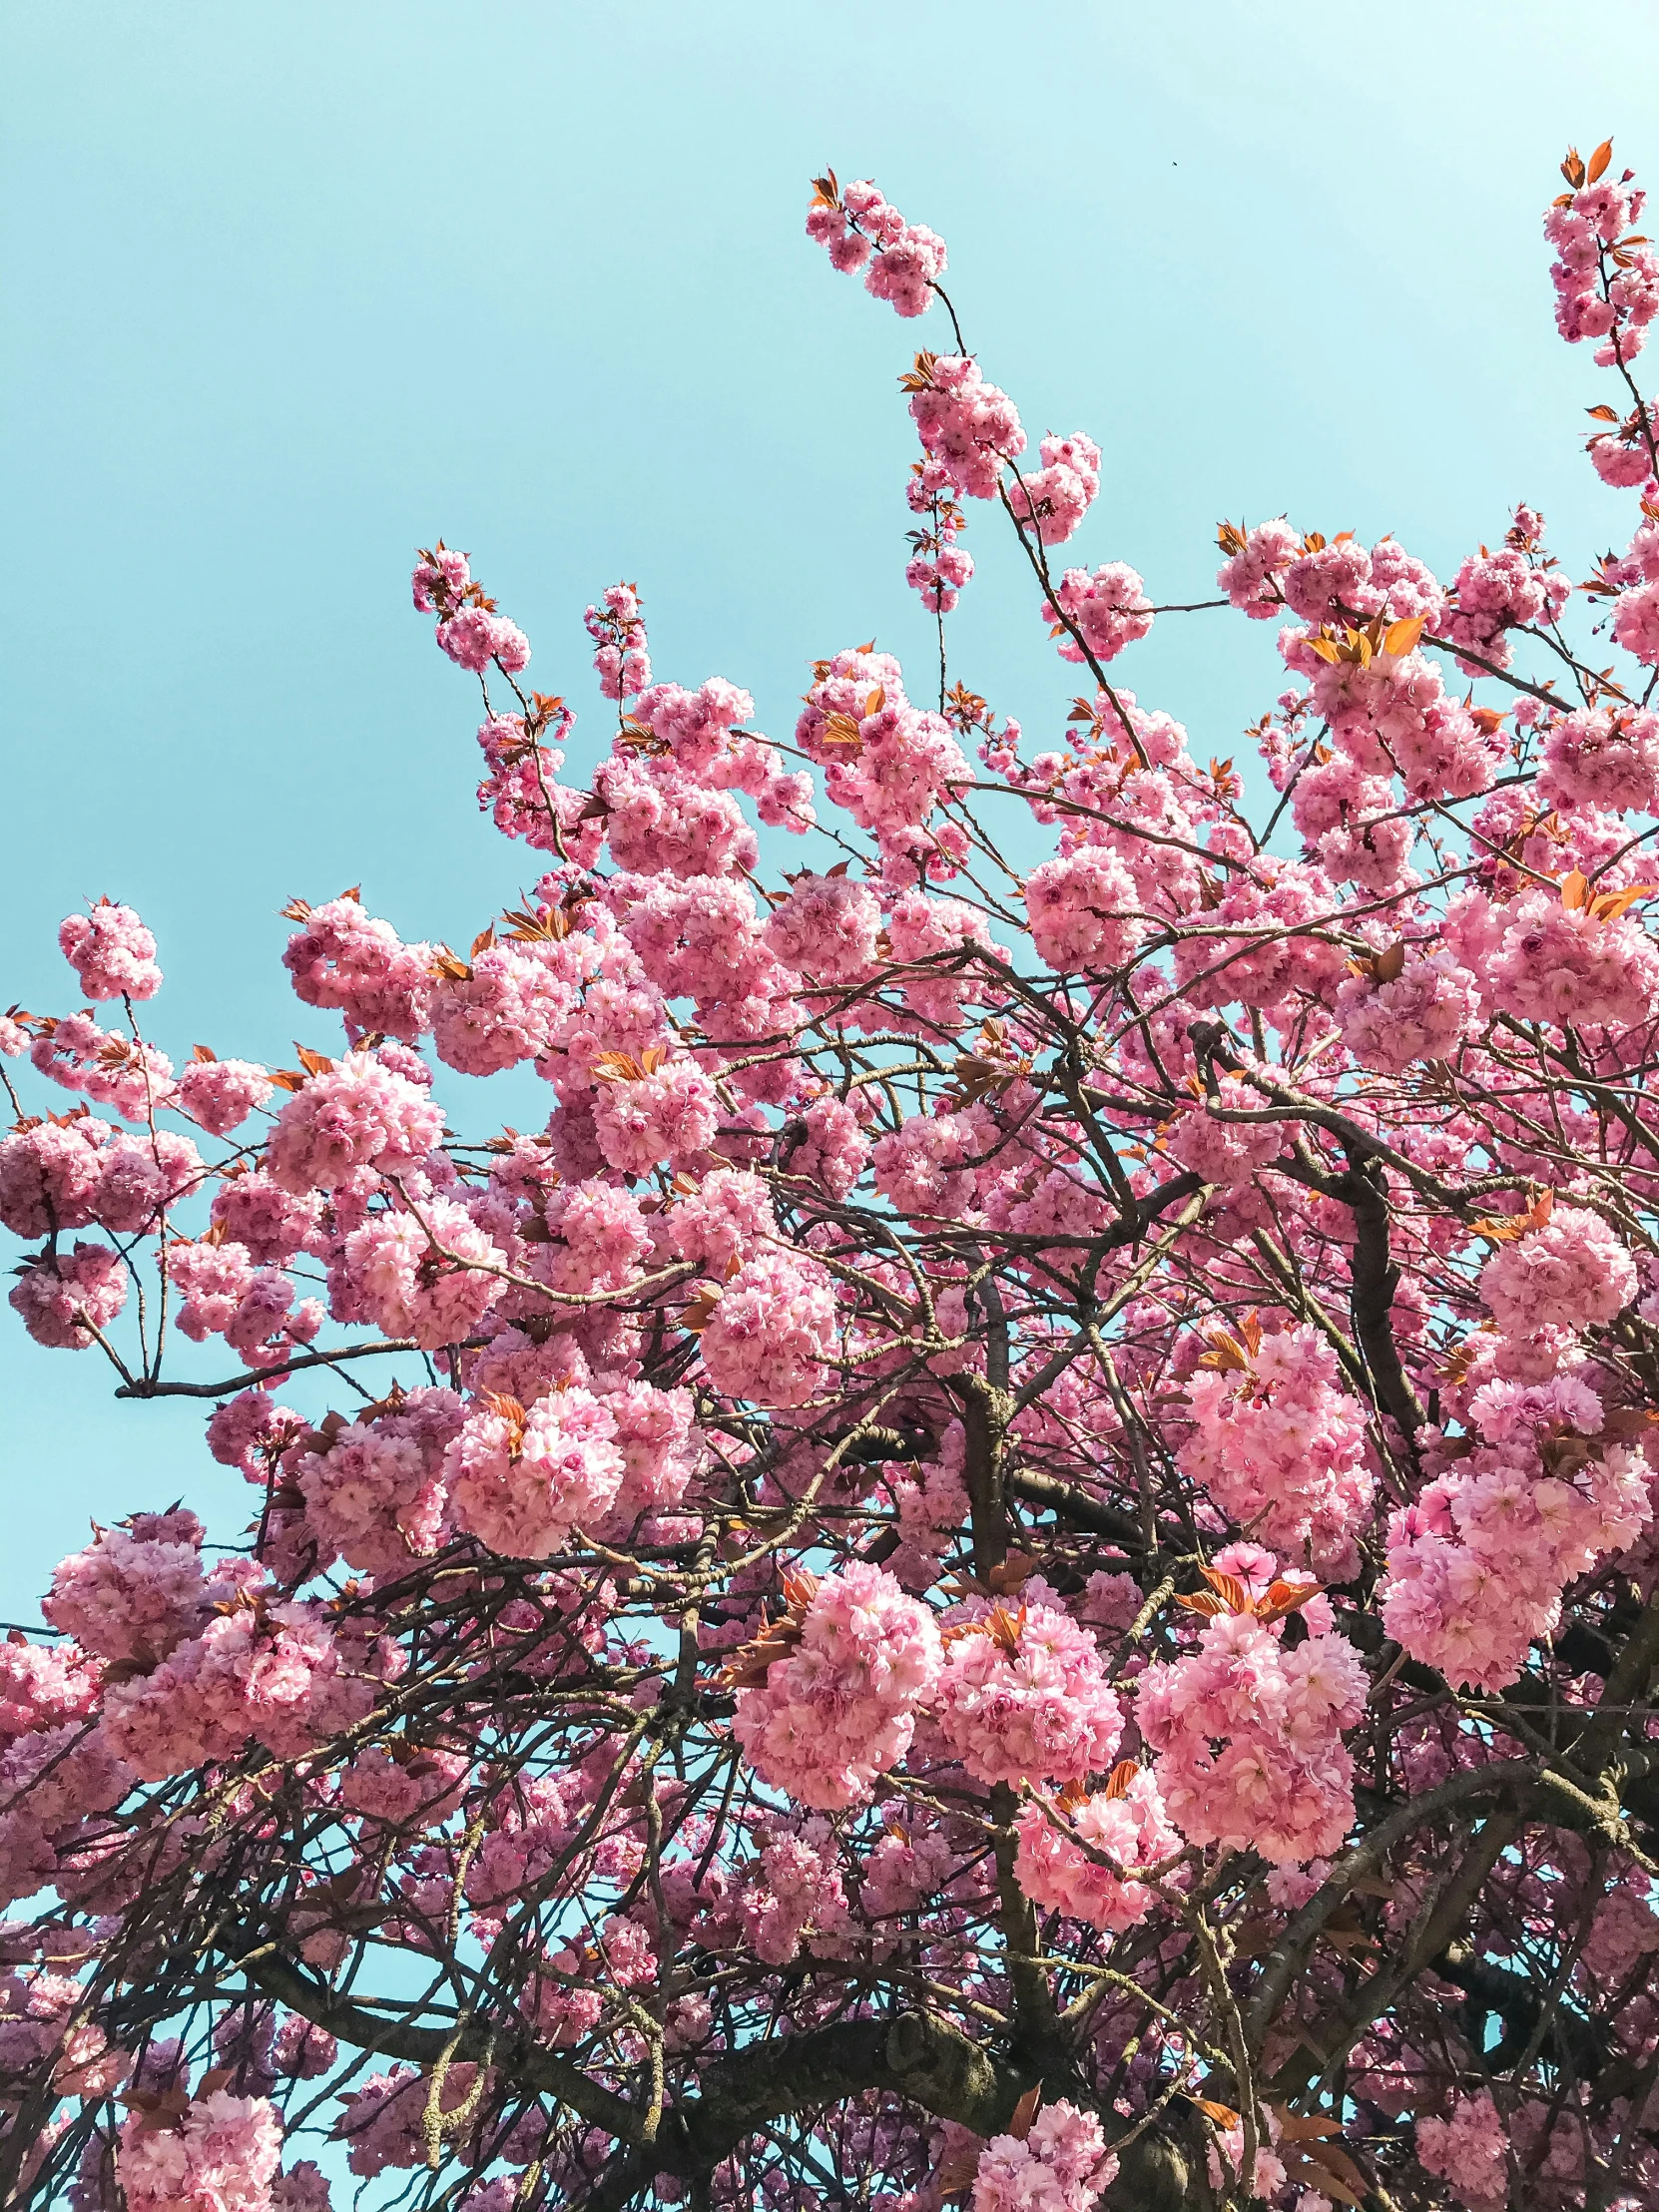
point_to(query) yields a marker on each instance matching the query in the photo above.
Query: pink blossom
(220, 1095)
(826, 929)
(1424, 1014)
(1051, 502)
(1568, 1273)
(430, 1273)
(773, 1331)
(59, 1296)
(1061, 2165)
(357, 1114)
(221, 2157)
(1023, 1697)
(1109, 608)
(110, 952)
(839, 1709)
(347, 958)
(1281, 1449)
(1084, 912)
(1469, 2151)
(522, 1485)
(50, 1174)
(670, 1114)
(1249, 1739)
(1056, 1864)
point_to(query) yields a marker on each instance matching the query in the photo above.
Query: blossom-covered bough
(1014, 1560)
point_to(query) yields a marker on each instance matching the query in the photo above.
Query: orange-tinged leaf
(1117, 1783)
(1603, 413)
(1402, 637)
(1285, 1597)
(1389, 965)
(1575, 890)
(314, 1063)
(616, 1067)
(1598, 162)
(1294, 2127)
(1302, 2167)
(1026, 2112)
(1228, 1588)
(1334, 2160)
(875, 702)
(1201, 1601)
(1222, 2114)
(695, 1318)
(1326, 648)
(1610, 905)
(484, 940)
(201, 1052)
(1225, 1355)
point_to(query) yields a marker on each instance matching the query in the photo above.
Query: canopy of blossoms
(1011, 1558)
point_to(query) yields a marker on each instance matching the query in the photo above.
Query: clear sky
(290, 289)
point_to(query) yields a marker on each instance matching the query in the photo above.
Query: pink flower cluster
(1074, 1855)
(347, 958)
(1060, 2166)
(622, 659)
(1023, 1696)
(1108, 610)
(1568, 1273)
(969, 427)
(220, 2154)
(1424, 1014)
(1470, 2150)
(219, 1095)
(358, 1114)
(772, 1331)
(64, 1297)
(1052, 500)
(1249, 1737)
(1606, 757)
(1252, 576)
(1084, 912)
(1493, 593)
(1604, 290)
(110, 952)
(521, 1480)
(376, 1491)
(1539, 1487)
(907, 258)
(1280, 1447)
(840, 1708)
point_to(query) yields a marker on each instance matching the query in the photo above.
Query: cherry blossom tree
(1013, 1562)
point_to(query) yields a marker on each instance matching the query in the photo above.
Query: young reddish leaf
(1598, 162)
(1228, 1588)
(1223, 2115)
(1019, 2125)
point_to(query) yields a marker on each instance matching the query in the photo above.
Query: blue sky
(292, 289)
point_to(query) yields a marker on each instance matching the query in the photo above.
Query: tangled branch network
(1014, 1561)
